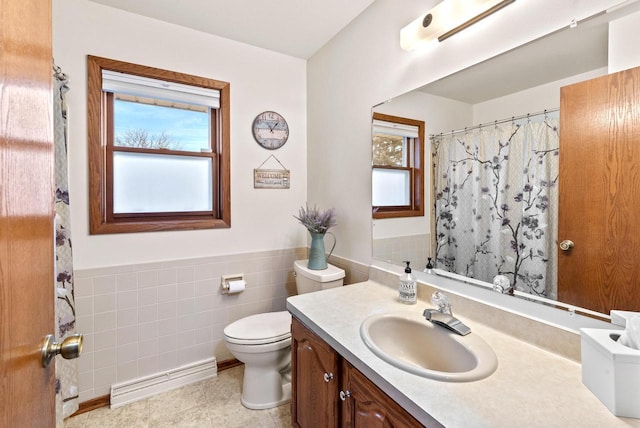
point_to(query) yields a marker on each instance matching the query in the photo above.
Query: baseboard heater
(147, 386)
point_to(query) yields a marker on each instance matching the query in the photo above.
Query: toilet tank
(308, 280)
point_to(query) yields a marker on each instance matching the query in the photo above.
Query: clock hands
(272, 128)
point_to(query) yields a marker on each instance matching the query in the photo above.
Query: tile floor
(211, 403)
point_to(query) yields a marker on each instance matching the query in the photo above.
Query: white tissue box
(611, 371)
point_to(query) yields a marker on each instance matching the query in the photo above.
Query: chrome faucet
(442, 316)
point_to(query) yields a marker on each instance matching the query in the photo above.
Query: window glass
(389, 150)
(146, 183)
(391, 187)
(157, 124)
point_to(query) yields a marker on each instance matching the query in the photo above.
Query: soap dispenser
(408, 289)
(429, 266)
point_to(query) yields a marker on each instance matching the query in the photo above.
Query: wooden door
(367, 406)
(315, 377)
(26, 213)
(599, 206)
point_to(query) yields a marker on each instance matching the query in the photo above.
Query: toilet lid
(260, 328)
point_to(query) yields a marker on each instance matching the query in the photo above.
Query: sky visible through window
(188, 129)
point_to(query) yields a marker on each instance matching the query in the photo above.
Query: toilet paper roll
(237, 286)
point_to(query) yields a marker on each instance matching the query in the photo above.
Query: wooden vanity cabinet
(314, 379)
(327, 391)
(368, 406)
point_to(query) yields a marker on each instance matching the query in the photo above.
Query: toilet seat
(259, 329)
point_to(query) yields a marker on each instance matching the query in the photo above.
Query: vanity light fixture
(446, 19)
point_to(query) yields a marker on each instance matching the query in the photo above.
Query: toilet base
(286, 397)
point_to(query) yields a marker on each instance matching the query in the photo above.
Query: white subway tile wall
(145, 318)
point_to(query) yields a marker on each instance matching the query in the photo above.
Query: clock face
(270, 130)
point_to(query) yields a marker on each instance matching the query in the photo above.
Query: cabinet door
(367, 406)
(314, 383)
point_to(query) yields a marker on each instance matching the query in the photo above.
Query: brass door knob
(70, 348)
(566, 245)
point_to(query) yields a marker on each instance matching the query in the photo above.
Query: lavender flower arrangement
(316, 221)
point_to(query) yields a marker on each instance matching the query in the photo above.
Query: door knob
(69, 348)
(344, 395)
(566, 245)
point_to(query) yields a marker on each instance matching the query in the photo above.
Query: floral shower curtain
(65, 318)
(496, 205)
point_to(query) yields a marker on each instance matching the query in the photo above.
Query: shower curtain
(496, 207)
(65, 318)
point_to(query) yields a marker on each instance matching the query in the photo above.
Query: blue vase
(317, 257)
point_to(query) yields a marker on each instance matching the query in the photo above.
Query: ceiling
(560, 55)
(292, 27)
(565, 53)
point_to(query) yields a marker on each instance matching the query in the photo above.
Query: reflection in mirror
(397, 167)
(495, 191)
(496, 101)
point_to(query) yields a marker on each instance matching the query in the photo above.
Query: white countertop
(531, 387)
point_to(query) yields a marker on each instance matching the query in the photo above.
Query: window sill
(398, 214)
(157, 225)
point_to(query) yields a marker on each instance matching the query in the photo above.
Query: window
(158, 149)
(397, 167)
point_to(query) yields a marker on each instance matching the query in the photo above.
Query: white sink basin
(409, 342)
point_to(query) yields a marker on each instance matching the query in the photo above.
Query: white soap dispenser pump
(407, 291)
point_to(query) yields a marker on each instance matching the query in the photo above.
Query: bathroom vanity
(327, 391)
(336, 377)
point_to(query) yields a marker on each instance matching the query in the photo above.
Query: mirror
(524, 81)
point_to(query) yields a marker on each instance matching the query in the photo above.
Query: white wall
(532, 100)
(364, 65)
(260, 80)
(624, 39)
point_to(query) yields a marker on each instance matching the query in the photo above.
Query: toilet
(263, 342)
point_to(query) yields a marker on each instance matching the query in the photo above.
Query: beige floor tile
(135, 415)
(76, 421)
(162, 406)
(192, 418)
(281, 416)
(238, 416)
(225, 388)
(211, 403)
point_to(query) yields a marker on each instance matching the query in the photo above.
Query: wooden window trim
(100, 222)
(416, 159)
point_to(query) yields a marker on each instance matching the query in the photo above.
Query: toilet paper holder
(225, 280)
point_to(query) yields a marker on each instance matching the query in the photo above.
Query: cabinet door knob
(328, 377)
(344, 395)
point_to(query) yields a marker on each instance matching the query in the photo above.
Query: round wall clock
(270, 130)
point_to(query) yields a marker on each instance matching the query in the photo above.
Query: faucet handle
(502, 285)
(441, 301)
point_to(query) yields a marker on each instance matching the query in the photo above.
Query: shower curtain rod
(482, 125)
